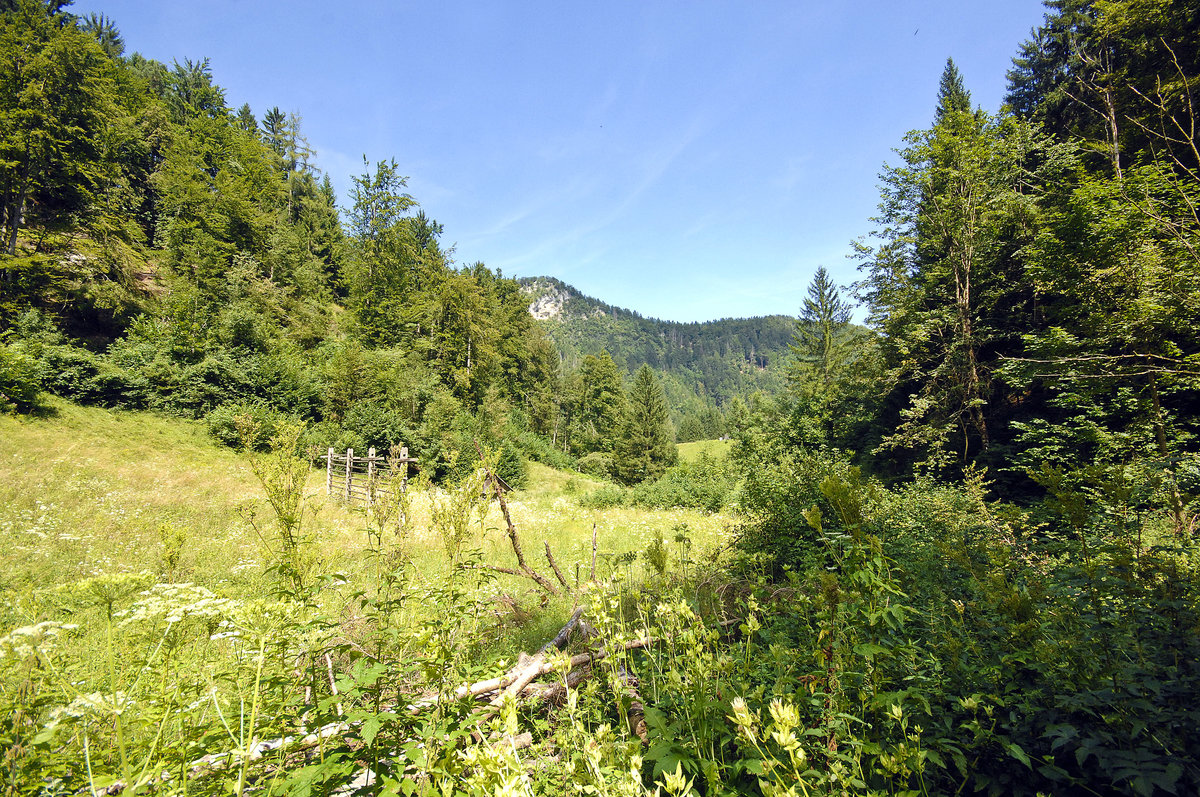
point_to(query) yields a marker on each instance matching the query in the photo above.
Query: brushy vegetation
(923, 640)
(965, 557)
(1003, 649)
(703, 484)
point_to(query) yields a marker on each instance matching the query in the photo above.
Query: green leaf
(668, 763)
(1016, 752)
(869, 650)
(370, 728)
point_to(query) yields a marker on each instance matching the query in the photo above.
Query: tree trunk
(1160, 436)
(16, 207)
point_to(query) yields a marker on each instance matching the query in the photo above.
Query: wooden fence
(358, 479)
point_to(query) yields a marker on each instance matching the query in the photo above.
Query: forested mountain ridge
(705, 363)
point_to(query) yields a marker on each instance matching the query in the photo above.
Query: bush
(607, 497)
(596, 464)
(82, 376)
(780, 481)
(208, 384)
(702, 485)
(511, 467)
(539, 449)
(225, 424)
(689, 486)
(378, 427)
(20, 380)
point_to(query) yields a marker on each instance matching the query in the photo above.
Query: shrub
(225, 424)
(20, 380)
(540, 449)
(511, 466)
(208, 384)
(608, 496)
(775, 495)
(596, 464)
(701, 485)
(88, 378)
(378, 427)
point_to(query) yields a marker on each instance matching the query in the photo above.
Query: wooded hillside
(705, 365)
(966, 551)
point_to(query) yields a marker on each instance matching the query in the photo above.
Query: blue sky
(689, 160)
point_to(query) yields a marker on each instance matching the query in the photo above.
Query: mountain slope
(704, 364)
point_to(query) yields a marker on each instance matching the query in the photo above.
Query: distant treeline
(705, 365)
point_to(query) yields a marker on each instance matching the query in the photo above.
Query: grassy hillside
(715, 450)
(86, 491)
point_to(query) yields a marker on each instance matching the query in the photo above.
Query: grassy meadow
(715, 450)
(87, 491)
(146, 624)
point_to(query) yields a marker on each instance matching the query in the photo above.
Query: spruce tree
(822, 324)
(647, 443)
(952, 96)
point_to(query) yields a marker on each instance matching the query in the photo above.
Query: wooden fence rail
(361, 479)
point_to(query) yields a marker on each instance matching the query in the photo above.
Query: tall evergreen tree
(646, 446)
(380, 269)
(952, 96)
(819, 343)
(105, 31)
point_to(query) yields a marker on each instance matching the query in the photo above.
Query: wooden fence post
(349, 468)
(404, 467)
(370, 477)
(329, 472)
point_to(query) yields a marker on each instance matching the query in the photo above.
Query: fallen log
(517, 682)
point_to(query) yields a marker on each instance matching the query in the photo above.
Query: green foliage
(80, 375)
(538, 448)
(288, 542)
(1026, 629)
(244, 424)
(511, 466)
(646, 446)
(702, 484)
(57, 89)
(821, 330)
(969, 637)
(596, 464)
(595, 406)
(20, 380)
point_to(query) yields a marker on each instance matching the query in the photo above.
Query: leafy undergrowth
(916, 640)
(158, 611)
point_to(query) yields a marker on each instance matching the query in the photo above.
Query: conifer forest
(936, 534)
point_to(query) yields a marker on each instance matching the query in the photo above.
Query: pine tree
(646, 446)
(818, 345)
(952, 96)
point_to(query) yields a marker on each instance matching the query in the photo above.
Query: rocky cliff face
(548, 300)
